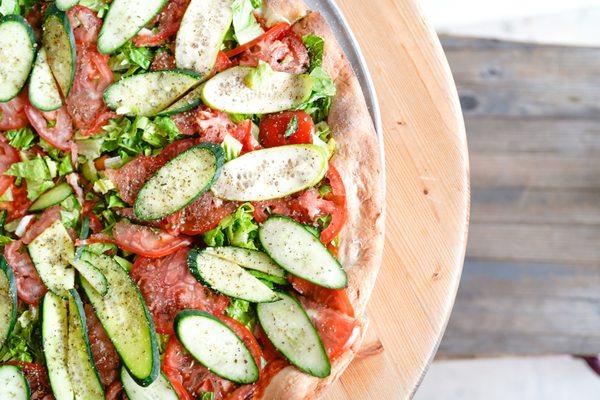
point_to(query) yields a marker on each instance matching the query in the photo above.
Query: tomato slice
(189, 377)
(37, 377)
(270, 35)
(249, 340)
(338, 197)
(103, 351)
(287, 54)
(30, 288)
(223, 62)
(55, 127)
(273, 129)
(18, 207)
(168, 287)
(12, 113)
(8, 156)
(336, 299)
(255, 390)
(186, 122)
(146, 241)
(168, 24)
(85, 23)
(130, 178)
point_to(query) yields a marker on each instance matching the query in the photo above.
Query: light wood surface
(530, 284)
(428, 199)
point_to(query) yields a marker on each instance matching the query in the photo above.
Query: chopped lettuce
(103, 186)
(245, 26)
(99, 6)
(207, 396)
(21, 139)
(232, 147)
(259, 75)
(36, 188)
(131, 59)
(242, 311)
(315, 46)
(324, 138)
(238, 229)
(90, 148)
(20, 7)
(24, 343)
(70, 212)
(34, 169)
(319, 102)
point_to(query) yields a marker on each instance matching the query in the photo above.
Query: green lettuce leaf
(315, 46)
(99, 6)
(259, 75)
(242, 311)
(232, 147)
(130, 59)
(319, 102)
(21, 139)
(238, 229)
(245, 26)
(24, 343)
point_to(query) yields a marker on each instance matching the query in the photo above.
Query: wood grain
(530, 284)
(427, 203)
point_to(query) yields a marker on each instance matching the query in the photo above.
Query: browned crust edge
(359, 163)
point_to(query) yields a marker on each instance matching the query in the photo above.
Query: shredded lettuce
(103, 186)
(315, 46)
(245, 26)
(319, 102)
(37, 172)
(21, 139)
(323, 138)
(131, 59)
(99, 6)
(259, 75)
(90, 148)
(238, 229)
(242, 311)
(207, 396)
(71, 210)
(232, 147)
(24, 343)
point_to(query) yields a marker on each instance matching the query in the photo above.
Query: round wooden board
(427, 199)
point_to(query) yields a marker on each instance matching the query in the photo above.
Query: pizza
(191, 197)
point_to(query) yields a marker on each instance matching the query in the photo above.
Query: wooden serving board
(427, 199)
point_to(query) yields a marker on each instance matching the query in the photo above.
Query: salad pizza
(191, 201)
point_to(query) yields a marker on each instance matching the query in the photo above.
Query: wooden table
(428, 199)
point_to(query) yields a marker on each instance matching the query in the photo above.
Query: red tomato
(286, 53)
(85, 100)
(130, 178)
(163, 60)
(85, 23)
(223, 62)
(48, 217)
(168, 24)
(273, 128)
(338, 197)
(18, 207)
(304, 207)
(146, 241)
(255, 390)
(189, 377)
(174, 149)
(8, 156)
(55, 127)
(337, 330)
(336, 299)
(186, 122)
(30, 288)
(168, 287)
(249, 340)
(269, 36)
(215, 125)
(103, 351)
(12, 113)
(201, 216)
(37, 377)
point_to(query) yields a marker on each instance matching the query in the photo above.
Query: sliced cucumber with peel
(161, 388)
(53, 196)
(186, 103)
(216, 346)
(249, 259)
(228, 278)
(8, 300)
(55, 331)
(91, 274)
(52, 253)
(59, 43)
(301, 253)
(82, 369)
(271, 173)
(13, 384)
(149, 93)
(66, 4)
(125, 319)
(124, 19)
(289, 328)
(44, 93)
(201, 34)
(17, 53)
(179, 182)
(227, 91)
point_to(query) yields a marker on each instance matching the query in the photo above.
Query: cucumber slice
(179, 182)
(125, 318)
(8, 300)
(149, 93)
(13, 384)
(227, 92)
(187, 102)
(44, 93)
(271, 173)
(59, 42)
(124, 20)
(82, 370)
(215, 346)
(17, 52)
(91, 274)
(159, 389)
(52, 252)
(201, 34)
(289, 328)
(53, 196)
(66, 4)
(9, 7)
(228, 277)
(55, 327)
(300, 252)
(250, 259)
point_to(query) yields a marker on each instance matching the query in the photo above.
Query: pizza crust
(358, 161)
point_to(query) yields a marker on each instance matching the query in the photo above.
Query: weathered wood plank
(524, 308)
